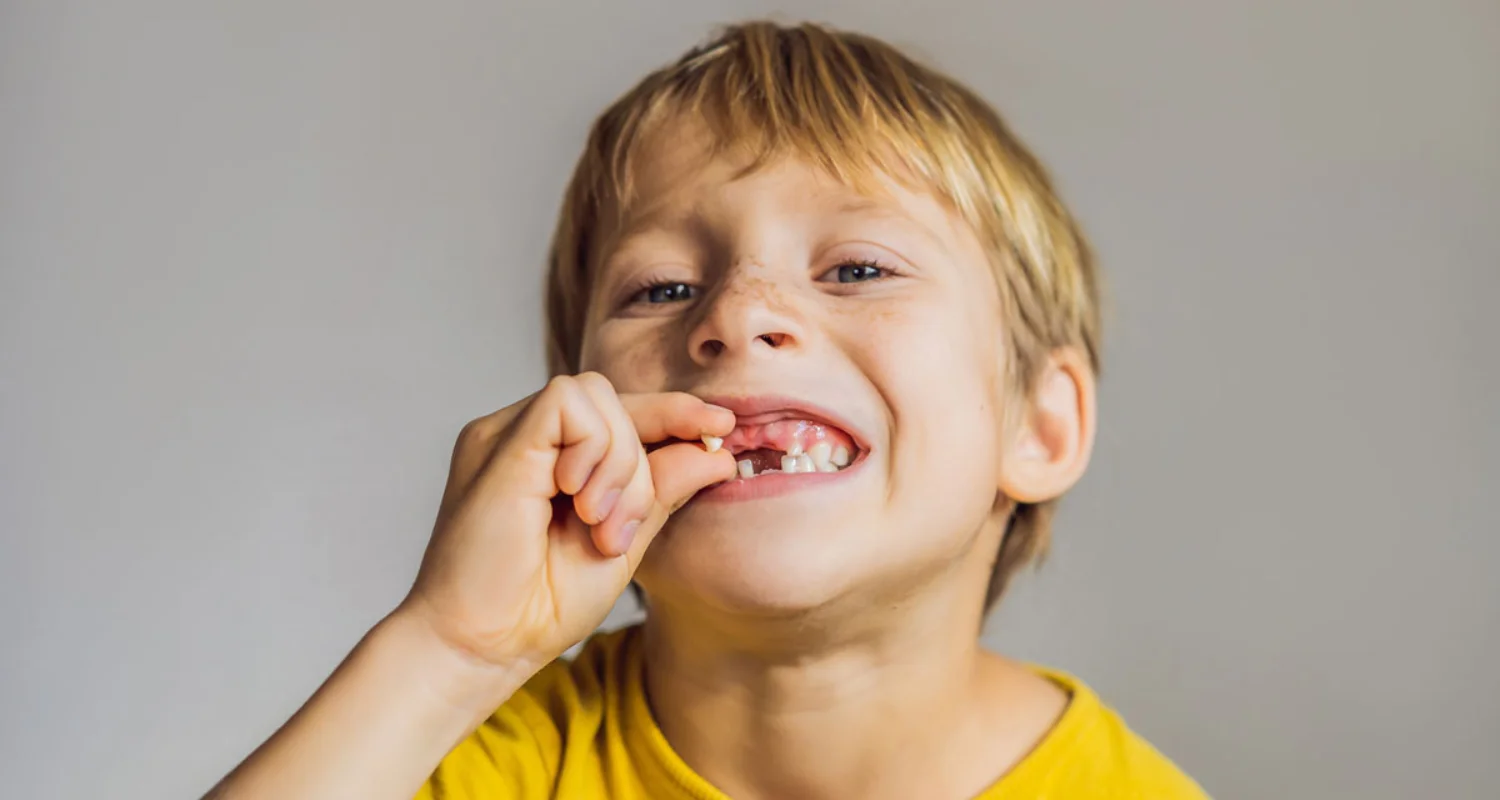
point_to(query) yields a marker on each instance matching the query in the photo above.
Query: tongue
(786, 436)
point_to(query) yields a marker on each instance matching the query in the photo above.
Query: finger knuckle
(682, 402)
(473, 434)
(622, 464)
(628, 456)
(595, 381)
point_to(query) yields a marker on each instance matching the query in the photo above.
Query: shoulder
(1091, 752)
(518, 751)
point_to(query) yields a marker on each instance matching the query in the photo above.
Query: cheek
(938, 373)
(633, 356)
(934, 360)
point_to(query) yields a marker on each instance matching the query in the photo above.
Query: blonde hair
(852, 105)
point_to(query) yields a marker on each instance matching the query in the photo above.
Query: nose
(749, 317)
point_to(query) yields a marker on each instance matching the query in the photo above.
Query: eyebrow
(864, 204)
(660, 218)
(664, 218)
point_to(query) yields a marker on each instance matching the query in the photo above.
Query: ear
(1048, 449)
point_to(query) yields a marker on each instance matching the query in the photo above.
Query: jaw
(837, 548)
(779, 587)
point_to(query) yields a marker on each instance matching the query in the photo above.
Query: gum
(783, 434)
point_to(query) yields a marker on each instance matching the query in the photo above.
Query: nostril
(773, 339)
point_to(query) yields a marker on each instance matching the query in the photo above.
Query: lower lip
(773, 484)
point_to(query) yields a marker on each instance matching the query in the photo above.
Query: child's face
(792, 296)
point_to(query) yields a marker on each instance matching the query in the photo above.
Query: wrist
(460, 681)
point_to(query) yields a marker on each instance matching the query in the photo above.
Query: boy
(818, 306)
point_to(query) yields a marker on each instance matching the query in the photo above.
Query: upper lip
(763, 409)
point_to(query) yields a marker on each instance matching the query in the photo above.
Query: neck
(783, 708)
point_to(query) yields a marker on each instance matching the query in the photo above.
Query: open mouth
(788, 445)
(781, 444)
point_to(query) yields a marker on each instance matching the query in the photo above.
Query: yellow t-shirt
(582, 729)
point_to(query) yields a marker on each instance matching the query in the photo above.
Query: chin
(794, 558)
(778, 566)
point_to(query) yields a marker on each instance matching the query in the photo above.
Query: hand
(549, 506)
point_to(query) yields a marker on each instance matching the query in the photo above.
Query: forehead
(681, 173)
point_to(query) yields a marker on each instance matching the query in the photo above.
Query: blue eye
(664, 293)
(860, 272)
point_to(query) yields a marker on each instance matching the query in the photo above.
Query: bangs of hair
(805, 92)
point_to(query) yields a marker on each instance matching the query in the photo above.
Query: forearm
(379, 725)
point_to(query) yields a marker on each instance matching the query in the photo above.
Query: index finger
(675, 415)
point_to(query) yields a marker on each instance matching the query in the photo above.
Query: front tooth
(713, 443)
(840, 457)
(805, 463)
(820, 453)
(796, 448)
(789, 463)
(747, 469)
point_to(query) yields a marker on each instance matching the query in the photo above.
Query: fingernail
(607, 503)
(718, 408)
(627, 533)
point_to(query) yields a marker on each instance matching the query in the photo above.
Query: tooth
(820, 453)
(840, 457)
(713, 443)
(747, 469)
(805, 463)
(796, 448)
(789, 463)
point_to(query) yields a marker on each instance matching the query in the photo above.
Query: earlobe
(1049, 449)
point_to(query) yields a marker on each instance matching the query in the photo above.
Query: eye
(861, 271)
(669, 292)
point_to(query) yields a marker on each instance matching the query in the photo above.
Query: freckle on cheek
(884, 315)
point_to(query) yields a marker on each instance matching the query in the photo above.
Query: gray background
(262, 259)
